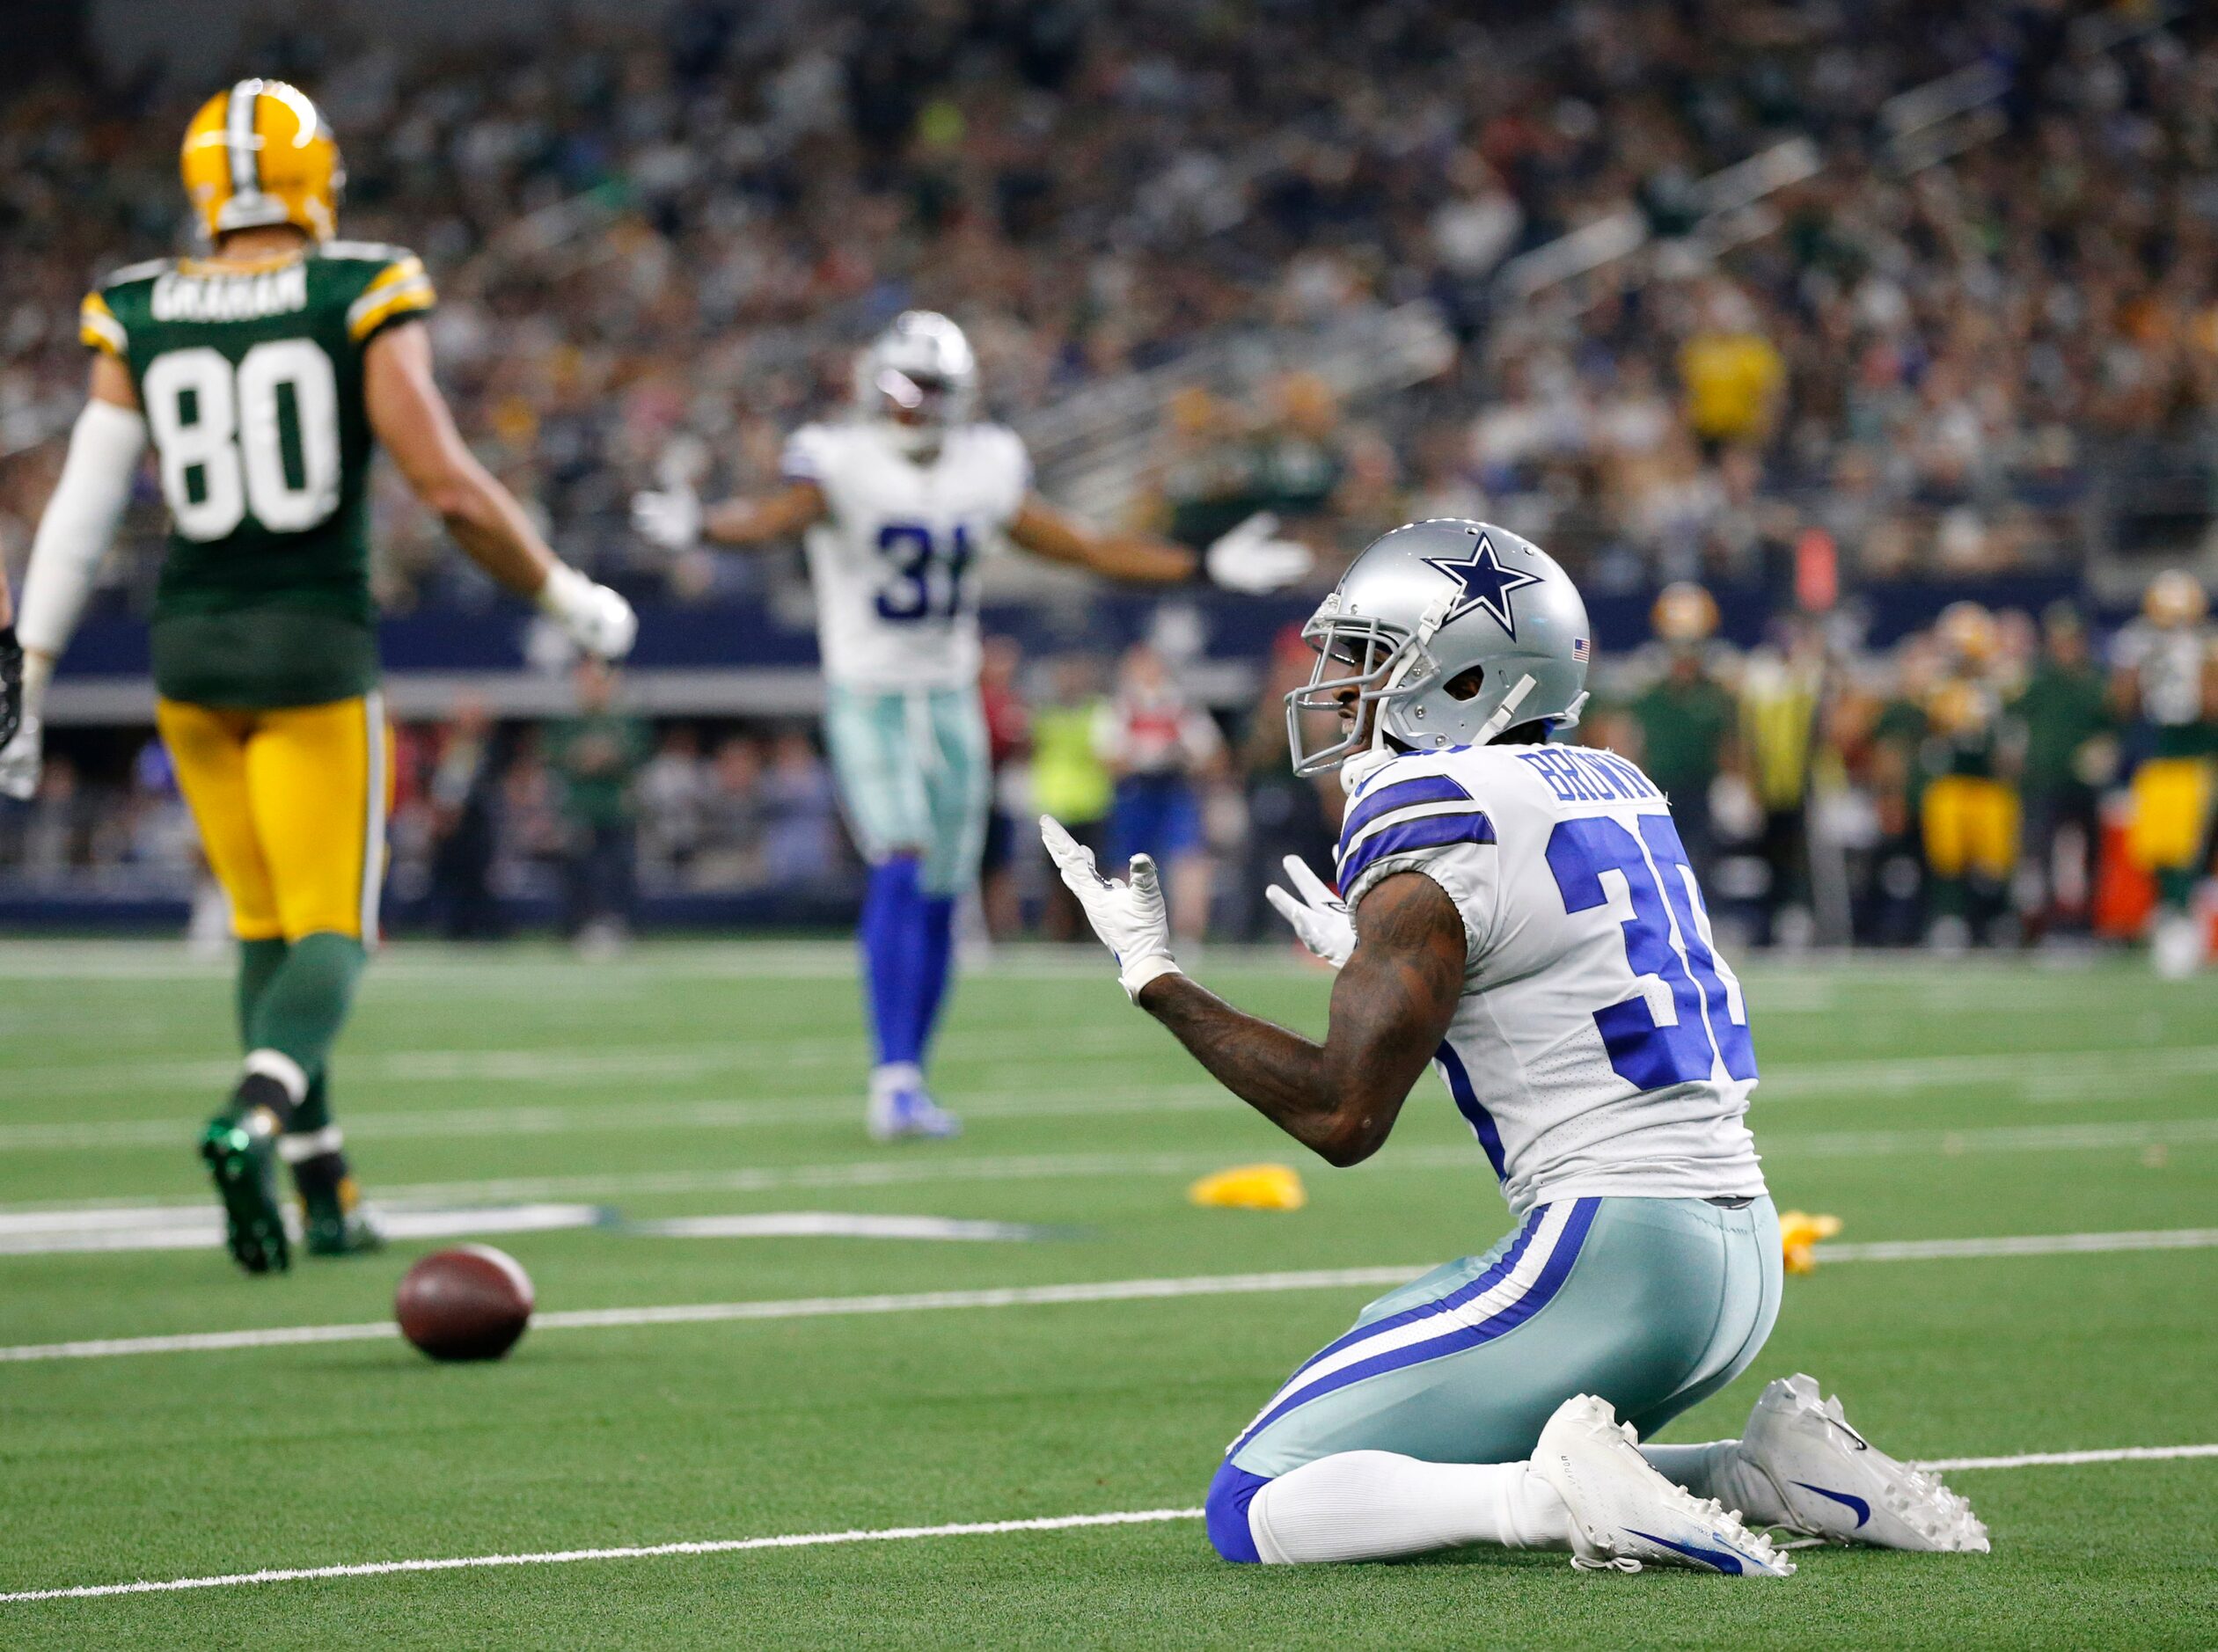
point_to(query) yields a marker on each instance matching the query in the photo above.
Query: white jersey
(895, 562)
(1602, 1045)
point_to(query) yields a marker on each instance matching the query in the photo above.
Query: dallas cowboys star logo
(1486, 584)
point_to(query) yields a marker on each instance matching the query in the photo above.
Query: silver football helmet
(1447, 633)
(917, 379)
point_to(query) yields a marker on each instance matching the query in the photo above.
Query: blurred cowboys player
(1524, 916)
(897, 504)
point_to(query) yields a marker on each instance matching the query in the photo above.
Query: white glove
(594, 617)
(1253, 561)
(671, 518)
(1318, 915)
(19, 761)
(1128, 917)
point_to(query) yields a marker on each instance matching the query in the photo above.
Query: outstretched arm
(1391, 1007)
(74, 534)
(675, 518)
(412, 423)
(1045, 532)
(1251, 558)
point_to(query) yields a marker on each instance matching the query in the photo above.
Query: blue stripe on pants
(1454, 1338)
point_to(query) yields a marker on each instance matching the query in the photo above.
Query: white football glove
(594, 617)
(669, 517)
(20, 760)
(1319, 917)
(1130, 917)
(1252, 559)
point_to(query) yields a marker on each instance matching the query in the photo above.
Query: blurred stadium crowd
(1817, 297)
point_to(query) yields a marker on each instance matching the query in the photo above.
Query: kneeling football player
(264, 375)
(1523, 916)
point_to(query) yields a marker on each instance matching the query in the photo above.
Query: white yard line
(882, 1534)
(907, 1172)
(1036, 1296)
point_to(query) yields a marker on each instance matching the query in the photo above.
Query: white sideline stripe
(2065, 1459)
(641, 1551)
(199, 1227)
(835, 1224)
(2178, 1239)
(888, 1534)
(709, 1313)
(1032, 1295)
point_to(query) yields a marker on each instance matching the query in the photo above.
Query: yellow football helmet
(2174, 598)
(1967, 631)
(1684, 612)
(260, 154)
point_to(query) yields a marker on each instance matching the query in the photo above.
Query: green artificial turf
(1914, 1100)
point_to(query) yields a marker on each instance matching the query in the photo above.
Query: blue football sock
(939, 965)
(893, 959)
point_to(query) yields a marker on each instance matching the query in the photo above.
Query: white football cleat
(1833, 1484)
(900, 1106)
(1625, 1515)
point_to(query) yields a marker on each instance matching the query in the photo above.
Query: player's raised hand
(1319, 917)
(1252, 559)
(19, 762)
(594, 617)
(1130, 917)
(669, 516)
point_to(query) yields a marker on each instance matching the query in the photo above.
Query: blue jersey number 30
(1645, 1052)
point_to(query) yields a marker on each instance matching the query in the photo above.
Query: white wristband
(1140, 971)
(565, 592)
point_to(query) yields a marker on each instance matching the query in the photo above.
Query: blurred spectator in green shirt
(597, 754)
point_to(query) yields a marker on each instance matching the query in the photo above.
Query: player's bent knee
(1226, 1511)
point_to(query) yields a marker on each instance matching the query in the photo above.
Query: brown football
(471, 1302)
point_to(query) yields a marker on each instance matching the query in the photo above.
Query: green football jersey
(252, 383)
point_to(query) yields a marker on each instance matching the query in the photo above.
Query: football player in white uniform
(896, 505)
(1521, 915)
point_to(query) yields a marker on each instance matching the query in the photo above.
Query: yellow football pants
(2171, 811)
(291, 806)
(1970, 824)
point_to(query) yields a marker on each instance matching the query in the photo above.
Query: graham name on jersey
(178, 296)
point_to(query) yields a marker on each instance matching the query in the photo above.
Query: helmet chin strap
(1506, 711)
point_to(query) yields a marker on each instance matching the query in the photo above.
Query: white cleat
(1834, 1485)
(2176, 950)
(901, 1107)
(1625, 1515)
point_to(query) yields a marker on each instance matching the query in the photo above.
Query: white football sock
(1718, 1470)
(1374, 1505)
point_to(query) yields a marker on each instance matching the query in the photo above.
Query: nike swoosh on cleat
(1724, 1560)
(1856, 1505)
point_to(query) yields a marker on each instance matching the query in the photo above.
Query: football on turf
(471, 1302)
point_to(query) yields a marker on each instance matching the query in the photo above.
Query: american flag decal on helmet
(1580, 650)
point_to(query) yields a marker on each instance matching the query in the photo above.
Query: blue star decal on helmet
(1486, 583)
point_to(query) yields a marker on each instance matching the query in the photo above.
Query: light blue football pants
(914, 775)
(1653, 1304)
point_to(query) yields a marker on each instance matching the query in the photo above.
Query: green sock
(305, 1004)
(2176, 889)
(259, 963)
(1948, 897)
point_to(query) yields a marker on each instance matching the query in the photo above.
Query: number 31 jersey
(895, 562)
(250, 378)
(1602, 1045)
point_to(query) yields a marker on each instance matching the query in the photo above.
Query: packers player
(1968, 812)
(263, 375)
(2162, 660)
